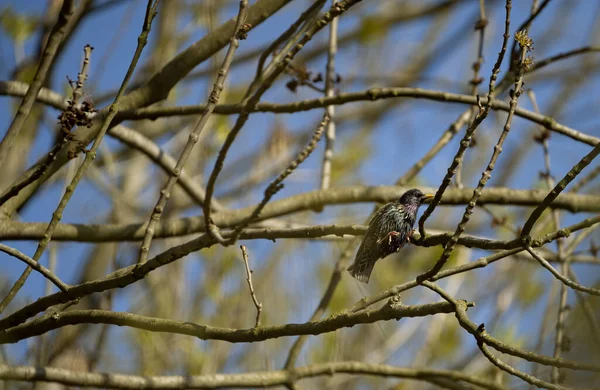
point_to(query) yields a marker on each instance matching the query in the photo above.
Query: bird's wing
(365, 260)
(388, 218)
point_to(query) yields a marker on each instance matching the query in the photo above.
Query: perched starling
(390, 228)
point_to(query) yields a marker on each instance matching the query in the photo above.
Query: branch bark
(394, 310)
(15, 230)
(243, 380)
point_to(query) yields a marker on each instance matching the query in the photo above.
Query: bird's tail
(363, 265)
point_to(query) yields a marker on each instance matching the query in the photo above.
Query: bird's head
(415, 197)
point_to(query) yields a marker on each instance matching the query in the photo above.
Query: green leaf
(529, 290)
(372, 29)
(347, 159)
(18, 27)
(448, 343)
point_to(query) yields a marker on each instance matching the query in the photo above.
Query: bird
(390, 228)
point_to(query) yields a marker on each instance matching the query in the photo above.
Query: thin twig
(83, 75)
(129, 275)
(251, 101)
(557, 275)
(585, 180)
(46, 60)
(391, 311)
(561, 56)
(525, 26)
(334, 280)
(329, 92)
(563, 258)
(277, 184)
(260, 379)
(74, 106)
(257, 304)
(466, 140)
(476, 80)
(45, 272)
(513, 371)
(552, 195)
(90, 155)
(372, 94)
(164, 160)
(215, 94)
(288, 34)
(487, 173)
(460, 312)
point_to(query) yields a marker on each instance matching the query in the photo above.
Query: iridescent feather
(389, 230)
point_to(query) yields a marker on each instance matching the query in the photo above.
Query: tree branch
(132, 274)
(566, 281)
(394, 310)
(552, 195)
(46, 60)
(372, 94)
(487, 173)
(45, 272)
(243, 380)
(239, 32)
(484, 337)
(15, 230)
(257, 304)
(90, 155)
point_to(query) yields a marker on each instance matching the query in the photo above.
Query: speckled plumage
(389, 230)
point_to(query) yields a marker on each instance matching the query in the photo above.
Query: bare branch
(46, 60)
(250, 101)
(532, 380)
(45, 272)
(138, 141)
(15, 230)
(132, 274)
(257, 304)
(246, 380)
(277, 184)
(484, 337)
(238, 33)
(466, 140)
(394, 310)
(552, 195)
(487, 173)
(372, 94)
(329, 92)
(563, 279)
(561, 56)
(90, 156)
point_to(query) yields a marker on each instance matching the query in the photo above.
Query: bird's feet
(409, 235)
(388, 237)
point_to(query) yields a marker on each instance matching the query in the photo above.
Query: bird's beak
(427, 198)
